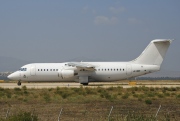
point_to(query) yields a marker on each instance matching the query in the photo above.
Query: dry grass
(91, 103)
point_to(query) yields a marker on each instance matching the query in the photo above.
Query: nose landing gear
(19, 83)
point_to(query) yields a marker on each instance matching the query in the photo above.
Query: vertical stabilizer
(154, 52)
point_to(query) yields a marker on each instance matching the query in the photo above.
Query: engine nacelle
(67, 74)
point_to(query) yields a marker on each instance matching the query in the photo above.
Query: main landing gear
(19, 83)
(84, 84)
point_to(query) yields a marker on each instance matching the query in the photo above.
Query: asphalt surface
(92, 85)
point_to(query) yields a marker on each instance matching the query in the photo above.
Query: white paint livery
(84, 72)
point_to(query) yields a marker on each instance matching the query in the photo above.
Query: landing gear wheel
(84, 84)
(19, 83)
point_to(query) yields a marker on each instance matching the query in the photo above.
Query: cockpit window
(23, 69)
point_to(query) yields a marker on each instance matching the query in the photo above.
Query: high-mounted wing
(83, 65)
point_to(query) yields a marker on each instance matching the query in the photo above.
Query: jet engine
(66, 74)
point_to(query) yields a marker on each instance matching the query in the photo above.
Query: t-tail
(154, 53)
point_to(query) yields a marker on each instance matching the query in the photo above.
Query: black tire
(19, 83)
(85, 84)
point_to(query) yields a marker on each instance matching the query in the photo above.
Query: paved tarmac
(91, 85)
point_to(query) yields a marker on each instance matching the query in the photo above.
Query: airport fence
(94, 112)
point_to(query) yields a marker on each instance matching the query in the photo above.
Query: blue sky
(100, 30)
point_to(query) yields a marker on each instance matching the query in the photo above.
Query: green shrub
(141, 96)
(164, 91)
(143, 88)
(50, 89)
(25, 99)
(100, 89)
(24, 87)
(17, 89)
(23, 116)
(26, 92)
(151, 94)
(139, 99)
(173, 89)
(2, 94)
(157, 88)
(1, 89)
(79, 91)
(160, 95)
(135, 95)
(110, 88)
(165, 88)
(119, 88)
(167, 94)
(125, 96)
(57, 88)
(47, 97)
(106, 95)
(65, 92)
(35, 95)
(119, 93)
(134, 89)
(8, 95)
(64, 95)
(114, 96)
(172, 94)
(149, 102)
(133, 92)
(178, 88)
(151, 89)
(90, 90)
(178, 96)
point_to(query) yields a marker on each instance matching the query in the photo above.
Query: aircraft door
(33, 71)
(128, 70)
(59, 72)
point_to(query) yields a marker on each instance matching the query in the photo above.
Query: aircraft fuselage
(104, 71)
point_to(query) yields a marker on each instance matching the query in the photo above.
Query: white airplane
(84, 72)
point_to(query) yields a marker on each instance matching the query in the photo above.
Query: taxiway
(91, 85)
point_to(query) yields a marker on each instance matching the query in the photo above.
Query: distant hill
(10, 64)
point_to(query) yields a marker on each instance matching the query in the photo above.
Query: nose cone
(14, 76)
